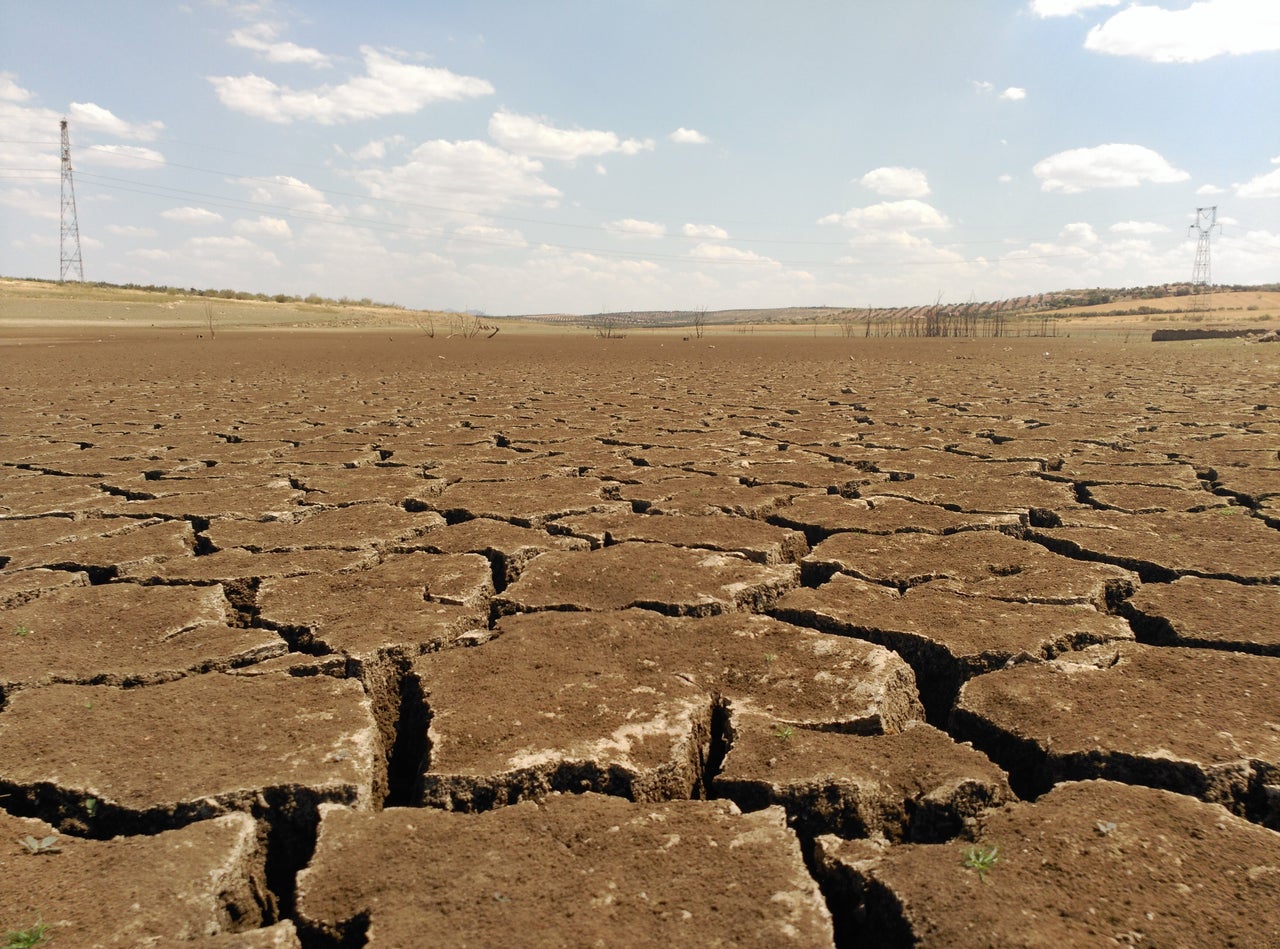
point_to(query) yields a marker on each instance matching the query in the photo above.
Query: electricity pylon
(1201, 278)
(69, 242)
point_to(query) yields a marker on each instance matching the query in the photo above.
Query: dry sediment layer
(318, 641)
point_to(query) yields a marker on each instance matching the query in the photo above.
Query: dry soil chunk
(408, 603)
(87, 546)
(1093, 863)
(916, 784)
(525, 503)
(1225, 543)
(23, 586)
(626, 702)
(574, 871)
(1197, 721)
(123, 633)
(979, 562)
(510, 548)
(165, 755)
(677, 581)
(344, 528)
(1212, 613)
(947, 637)
(758, 542)
(198, 881)
(820, 516)
(238, 564)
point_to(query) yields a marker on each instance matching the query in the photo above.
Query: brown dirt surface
(589, 579)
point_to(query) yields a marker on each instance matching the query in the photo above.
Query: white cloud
(191, 215)
(1014, 94)
(375, 150)
(388, 87)
(98, 119)
(1047, 8)
(130, 230)
(1005, 179)
(261, 38)
(981, 85)
(1201, 31)
(10, 91)
(488, 234)
(705, 231)
(1210, 190)
(264, 226)
(467, 177)
(530, 135)
(1079, 234)
(1106, 166)
(1262, 186)
(721, 252)
(891, 216)
(210, 252)
(684, 136)
(1137, 227)
(896, 182)
(120, 156)
(33, 203)
(285, 191)
(630, 227)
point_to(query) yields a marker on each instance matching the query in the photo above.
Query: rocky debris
(1225, 544)
(985, 563)
(125, 634)
(677, 581)
(577, 870)
(948, 637)
(916, 784)
(1214, 614)
(626, 702)
(181, 886)
(757, 541)
(1089, 864)
(509, 548)
(523, 503)
(343, 528)
(820, 516)
(100, 760)
(1107, 712)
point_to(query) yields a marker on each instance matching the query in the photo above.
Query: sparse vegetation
(38, 845)
(981, 859)
(33, 935)
(21, 630)
(784, 732)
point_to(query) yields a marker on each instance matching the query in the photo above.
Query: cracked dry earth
(321, 641)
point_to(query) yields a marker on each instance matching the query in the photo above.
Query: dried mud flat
(341, 640)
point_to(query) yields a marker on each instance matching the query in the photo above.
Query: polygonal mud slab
(1225, 544)
(166, 755)
(947, 637)
(1197, 721)
(1143, 499)
(22, 586)
(344, 528)
(124, 634)
(1215, 614)
(581, 870)
(677, 581)
(508, 547)
(627, 702)
(700, 494)
(408, 603)
(986, 563)
(101, 545)
(1090, 473)
(917, 784)
(175, 887)
(209, 498)
(1090, 864)
(986, 494)
(525, 503)
(237, 564)
(395, 485)
(758, 542)
(820, 516)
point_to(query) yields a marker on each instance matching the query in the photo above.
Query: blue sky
(557, 156)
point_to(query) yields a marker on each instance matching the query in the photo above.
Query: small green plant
(770, 656)
(26, 938)
(21, 630)
(40, 844)
(981, 859)
(91, 806)
(784, 732)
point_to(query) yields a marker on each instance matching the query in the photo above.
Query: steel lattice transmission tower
(69, 242)
(1201, 278)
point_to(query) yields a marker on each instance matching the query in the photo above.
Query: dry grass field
(376, 638)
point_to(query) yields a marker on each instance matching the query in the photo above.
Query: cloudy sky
(577, 156)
